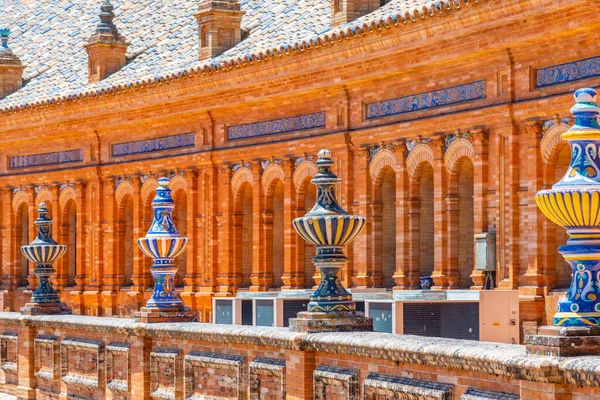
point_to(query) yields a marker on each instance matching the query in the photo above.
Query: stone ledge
(400, 387)
(479, 394)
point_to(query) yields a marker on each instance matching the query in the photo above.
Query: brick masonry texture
(100, 204)
(257, 362)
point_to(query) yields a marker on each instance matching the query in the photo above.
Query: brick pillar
(261, 278)
(32, 232)
(293, 274)
(361, 251)
(299, 369)
(81, 272)
(402, 277)
(138, 278)
(9, 274)
(452, 216)
(510, 258)
(480, 188)
(109, 249)
(440, 179)
(226, 233)
(26, 364)
(192, 209)
(141, 347)
(539, 277)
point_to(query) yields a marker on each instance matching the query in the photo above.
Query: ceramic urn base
(45, 309)
(315, 322)
(158, 315)
(564, 341)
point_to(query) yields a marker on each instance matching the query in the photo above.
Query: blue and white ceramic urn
(574, 203)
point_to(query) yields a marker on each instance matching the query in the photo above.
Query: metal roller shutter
(448, 320)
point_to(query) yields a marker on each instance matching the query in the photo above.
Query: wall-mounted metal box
(485, 252)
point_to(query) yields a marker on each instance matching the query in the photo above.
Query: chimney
(11, 68)
(344, 11)
(106, 48)
(219, 27)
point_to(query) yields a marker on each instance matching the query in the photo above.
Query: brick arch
(241, 176)
(304, 170)
(178, 183)
(551, 142)
(384, 158)
(123, 190)
(458, 149)
(273, 173)
(43, 196)
(421, 153)
(66, 195)
(148, 189)
(18, 199)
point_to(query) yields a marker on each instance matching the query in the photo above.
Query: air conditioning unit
(485, 252)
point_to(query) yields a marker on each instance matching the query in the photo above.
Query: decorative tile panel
(118, 367)
(568, 72)
(81, 362)
(389, 386)
(153, 145)
(9, 353)
(333, 383)
(166, 373)
(47, 357)
(478, 394)
(212, 375)
(423, 101)
(267, 378)
(282, 125)
(36, 160)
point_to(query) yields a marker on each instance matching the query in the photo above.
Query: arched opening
(426, 236)
(466, 259)
(180, 220)
(71, 233)
(126, 239)
(308, 198)
(243, 239)
(22, 239)
(563, 269)
(386, 237)
(277, 234)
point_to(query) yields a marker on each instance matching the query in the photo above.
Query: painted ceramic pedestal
(329, 228)
(163, 243)
(44, 252)
(574, 203)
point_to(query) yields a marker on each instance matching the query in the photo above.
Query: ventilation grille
(447, 320)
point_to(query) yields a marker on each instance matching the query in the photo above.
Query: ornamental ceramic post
(329, 228)
(44, 252)
(574, 203)
(164, 243)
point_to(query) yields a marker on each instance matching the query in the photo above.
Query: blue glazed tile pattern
(568, 72)
(291, 124)
(423, 101)
(35, 160)
(152, 145)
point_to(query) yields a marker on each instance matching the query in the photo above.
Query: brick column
(539, 277)
(293, 275)
(299, 369)
(141, 347)
(31, 234)
(260, 277)
(402, 277)
(192, 272)
(452, 217)
(9, 275)
(139, 273)
(440, 179)
(545, 391)
(480, 188)
(109, 248)
(26, 364)
(82, 244)
(226, 223)
(361, 251)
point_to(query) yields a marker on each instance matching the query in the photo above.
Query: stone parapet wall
(86, 357)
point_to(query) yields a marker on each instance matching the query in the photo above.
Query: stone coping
(493, 358)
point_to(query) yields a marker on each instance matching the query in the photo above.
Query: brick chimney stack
(219, 27)
(11, 68)
(344, 11)
(106, 48)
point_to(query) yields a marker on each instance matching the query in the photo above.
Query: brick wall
(73, 356)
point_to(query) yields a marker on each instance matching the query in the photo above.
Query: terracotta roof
(49, 36)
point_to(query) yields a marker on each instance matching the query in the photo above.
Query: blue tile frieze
(282, 125)
(567, 72)
(151, 145)
(423, 101)
(35, 160)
